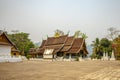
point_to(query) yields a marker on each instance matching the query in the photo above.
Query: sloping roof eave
(7, 38)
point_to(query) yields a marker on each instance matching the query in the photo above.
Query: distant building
(61, 48)
(7, 49)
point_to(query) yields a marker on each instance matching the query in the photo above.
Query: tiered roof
(68, 44)
(76, 46)
(62, 44)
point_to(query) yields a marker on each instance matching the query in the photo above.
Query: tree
(101, 46)
(116, 47)
(58, 33)
(113, 33)
(80, 34)
(105, 42)
(22, 42)
(97, 50)
(106, 45)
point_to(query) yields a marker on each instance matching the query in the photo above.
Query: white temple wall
(48, 56)
(5, 51)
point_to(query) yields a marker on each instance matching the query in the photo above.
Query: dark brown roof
(69, 40)
(55, 43)
(76, 45)
(65, 48)
(41, 50)
(62, 44)
(56, 48)
(68, 44)
(56, 40)
(43, 43)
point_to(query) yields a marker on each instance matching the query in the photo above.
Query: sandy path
(47, 70)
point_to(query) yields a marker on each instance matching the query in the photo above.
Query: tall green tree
(100, 46)
(97, 50)
(105, 43)
(22, 41)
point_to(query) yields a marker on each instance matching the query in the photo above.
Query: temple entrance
(66, 56)
(70, 57)
(73, 56)
(14, 54)
(59, 56)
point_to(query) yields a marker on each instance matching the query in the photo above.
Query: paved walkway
(103, 74)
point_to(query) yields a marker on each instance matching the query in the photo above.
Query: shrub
(93, 56)
(28, 57)
(77, 58)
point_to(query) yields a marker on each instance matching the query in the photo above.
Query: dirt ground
(48, 70)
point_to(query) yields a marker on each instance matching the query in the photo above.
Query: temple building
(8, 50)
(14, 51)
(62, 48)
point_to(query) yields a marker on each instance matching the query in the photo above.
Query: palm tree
(97, 48)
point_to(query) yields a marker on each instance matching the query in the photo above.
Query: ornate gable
(4, 39)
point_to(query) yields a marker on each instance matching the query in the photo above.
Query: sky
(40, 18)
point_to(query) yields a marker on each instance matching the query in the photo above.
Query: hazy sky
(42, 17)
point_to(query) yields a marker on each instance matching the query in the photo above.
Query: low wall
(10, 59)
